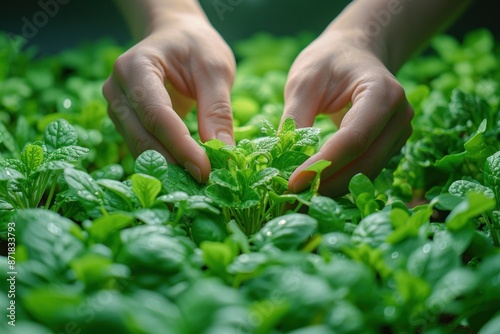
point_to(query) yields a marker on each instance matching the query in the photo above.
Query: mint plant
(25, 181)
(249, 180)
(91, 233)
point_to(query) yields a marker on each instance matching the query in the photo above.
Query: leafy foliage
(96, 235)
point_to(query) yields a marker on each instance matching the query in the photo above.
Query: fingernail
(225, 136)
(303, 181)
(193, 170)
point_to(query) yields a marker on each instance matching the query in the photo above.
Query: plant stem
(51, 193)
(493, 229)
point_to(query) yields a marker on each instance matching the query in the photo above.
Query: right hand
(156, 83)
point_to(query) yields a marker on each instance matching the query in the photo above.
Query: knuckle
(151, 114)
(142, 143)
(219, 111)
(122, 64)
(220, 65)
(106, 89)
(360, 142)
(409, 113)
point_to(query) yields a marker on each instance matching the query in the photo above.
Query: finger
(149, 100)
(301, 99)
(360, 127)
(215, 118)
(128, 125)
(370, 164)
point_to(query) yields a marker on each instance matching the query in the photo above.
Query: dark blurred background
(79, 21)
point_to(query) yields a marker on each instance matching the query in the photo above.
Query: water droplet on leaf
(332, 240)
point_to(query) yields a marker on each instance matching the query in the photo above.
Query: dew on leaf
(67, 103)
(54, 229)
(443, 245)
(332, 240)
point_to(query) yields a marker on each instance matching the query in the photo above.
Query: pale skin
(347, 72)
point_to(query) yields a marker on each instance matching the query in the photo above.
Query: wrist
(355, 39)
(147, 16)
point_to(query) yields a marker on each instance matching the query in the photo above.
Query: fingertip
(301, 181)
(193, 158)
(226, 136)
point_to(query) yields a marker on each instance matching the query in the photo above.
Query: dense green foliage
(107, 243)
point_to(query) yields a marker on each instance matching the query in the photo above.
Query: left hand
(329, 75)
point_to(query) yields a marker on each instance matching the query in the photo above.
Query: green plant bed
(95, 241)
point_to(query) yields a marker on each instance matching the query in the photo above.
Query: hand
(330, 75)
(156, 82)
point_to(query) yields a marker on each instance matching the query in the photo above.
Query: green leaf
(287, 232)
(85, 187)
(32, 156)
(406, 226)
(328, 213)
(480, 40)
(202, 203)
(268, 128)
(8, 139)
(14, 164)
(492, 175)
(460, 188)
(306, 137)
(434, 259)
(153, 216)
(221, 196)
(93, 268)
(373, 229)
(288, 125)
(153, 164)
(477, 149)
(48, 238)
(59, 134)
(248, 199)
(69, 153)
(492, 326)
(263, 177)
(473, 205)
(178, 179)
(265, 144)
(359, 184)
(225, 179)
(111, 172)
(451, 162)
(7, 174)
(218, 158)
(144, 249)
(217, 256)
(208, 228)
(54, 166)
(288, 161)
(53, 304)
(146, 188)
(446, 46)
(105, 226)
(318, 167)
(236, 154)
